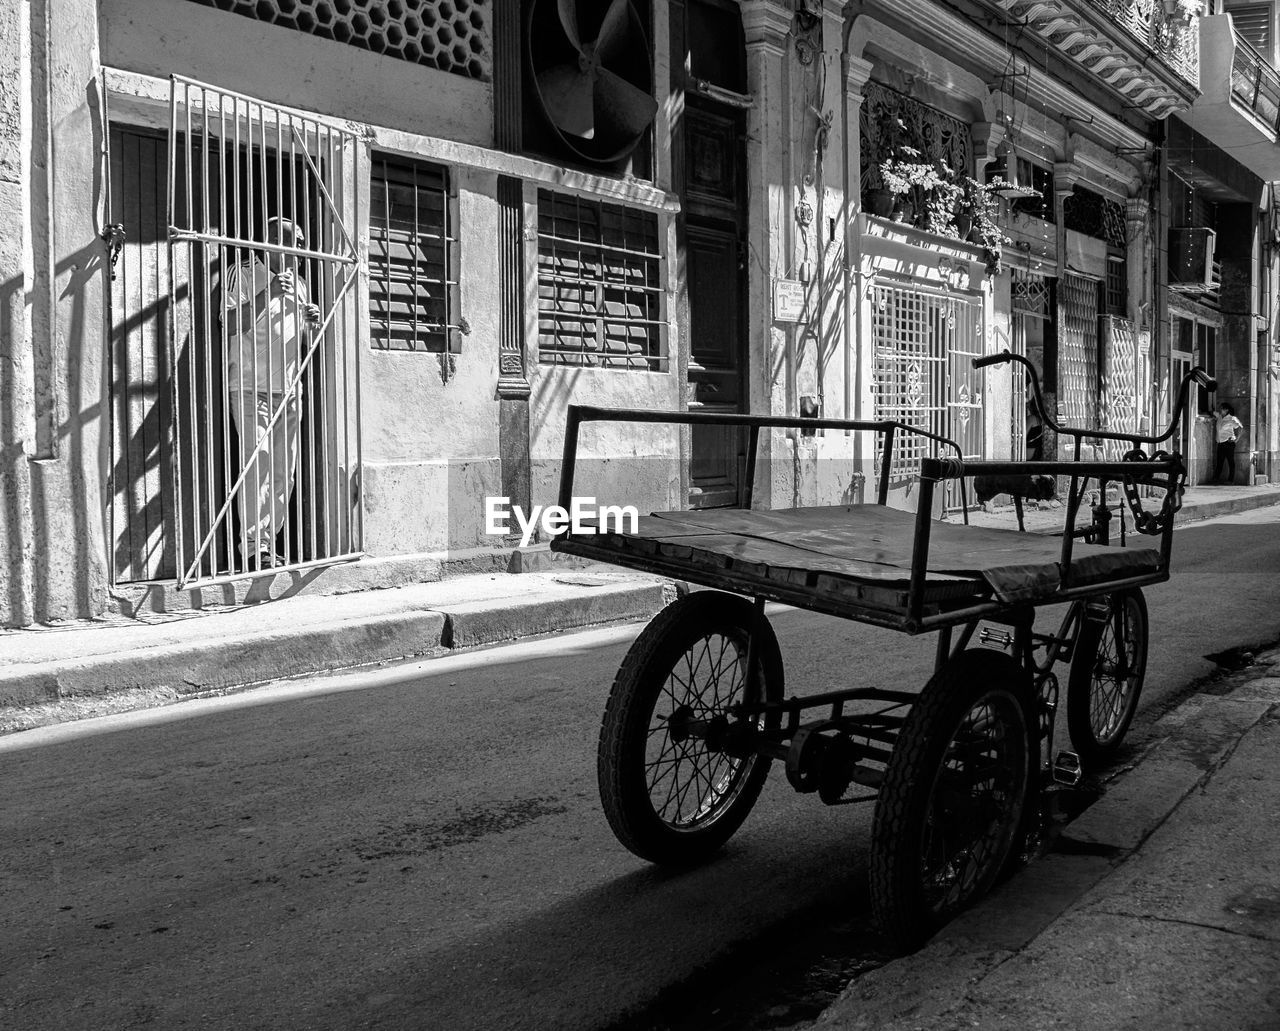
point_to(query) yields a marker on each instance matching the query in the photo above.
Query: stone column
(1137, 271)
(857, 314)
(770, 219)
(1065, 175)
(16, 375)
(66, 338)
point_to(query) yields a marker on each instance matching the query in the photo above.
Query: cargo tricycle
(961, 771)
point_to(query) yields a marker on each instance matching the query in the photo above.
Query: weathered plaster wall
(161, 37)
(618, 463)
(430, 421)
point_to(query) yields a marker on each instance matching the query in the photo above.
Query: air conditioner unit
(1191, 251)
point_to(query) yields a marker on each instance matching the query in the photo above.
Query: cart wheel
(953, 795)
(668, 797)
(1107, 670)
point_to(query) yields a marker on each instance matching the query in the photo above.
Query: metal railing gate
(276, 481)
(923, 374)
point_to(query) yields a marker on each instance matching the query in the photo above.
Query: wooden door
(715, 273)
(139, 384)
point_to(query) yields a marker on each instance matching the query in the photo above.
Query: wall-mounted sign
(788, 300)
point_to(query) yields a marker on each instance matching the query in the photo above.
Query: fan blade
(628, 107)
(612, 28)
(566, 94)
(569, 20)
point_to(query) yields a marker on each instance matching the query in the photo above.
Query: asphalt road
(422, 847)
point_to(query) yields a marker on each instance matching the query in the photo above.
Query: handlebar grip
(992, 359)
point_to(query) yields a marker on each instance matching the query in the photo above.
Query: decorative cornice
(987, 136)
(766, 24)
(857, 72)
(1135, 216)
(1065, 176)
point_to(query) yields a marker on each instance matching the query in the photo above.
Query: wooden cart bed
(857, 555)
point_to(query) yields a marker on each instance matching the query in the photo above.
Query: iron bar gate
(923, 375)
(265, 406)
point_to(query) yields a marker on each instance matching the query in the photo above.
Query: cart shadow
(618, 949)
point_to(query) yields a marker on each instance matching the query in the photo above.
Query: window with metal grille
(1093, 215)
(1253, 24)
(600, 294)
(413, 285)
(452, 35)
(1041, 180)
(1116, 291)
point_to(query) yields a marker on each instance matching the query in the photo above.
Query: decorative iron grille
(600, 294)
(413, 283)
(1119, 383)
(1093, 215)
(923, 374)
(1078, 351)
(890, 120)
(451, 35)
(1030, 294)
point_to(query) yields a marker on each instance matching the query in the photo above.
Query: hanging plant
(979, 205)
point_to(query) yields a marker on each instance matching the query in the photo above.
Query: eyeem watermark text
(583, 516)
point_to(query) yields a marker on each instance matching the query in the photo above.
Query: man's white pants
(271, 459)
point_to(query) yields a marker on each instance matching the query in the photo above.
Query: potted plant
(910, 181)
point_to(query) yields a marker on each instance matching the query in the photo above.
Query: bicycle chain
(1154, 522)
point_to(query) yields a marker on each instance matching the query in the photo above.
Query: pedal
(1067, 769)
(1001, 637)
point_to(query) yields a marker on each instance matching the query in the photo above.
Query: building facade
(510, 206)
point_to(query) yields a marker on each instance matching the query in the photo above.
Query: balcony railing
(1255, 83)
(1174, 40)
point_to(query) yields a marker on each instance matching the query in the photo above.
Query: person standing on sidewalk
(269, 319)
(1229, 428)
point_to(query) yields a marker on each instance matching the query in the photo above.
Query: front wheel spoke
(691, 783)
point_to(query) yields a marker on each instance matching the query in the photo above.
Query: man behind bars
(269, 318)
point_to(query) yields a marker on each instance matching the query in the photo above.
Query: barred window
(599, 285)
(413, 282)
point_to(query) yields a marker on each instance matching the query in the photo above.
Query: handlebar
(1197, 375)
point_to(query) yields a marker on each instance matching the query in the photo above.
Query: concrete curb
(37, 694)
(928, 987)
(474, 624)
(1227, 506)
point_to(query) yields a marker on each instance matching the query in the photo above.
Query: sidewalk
(89, 668)
(1159, 908)
(1197, 503)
